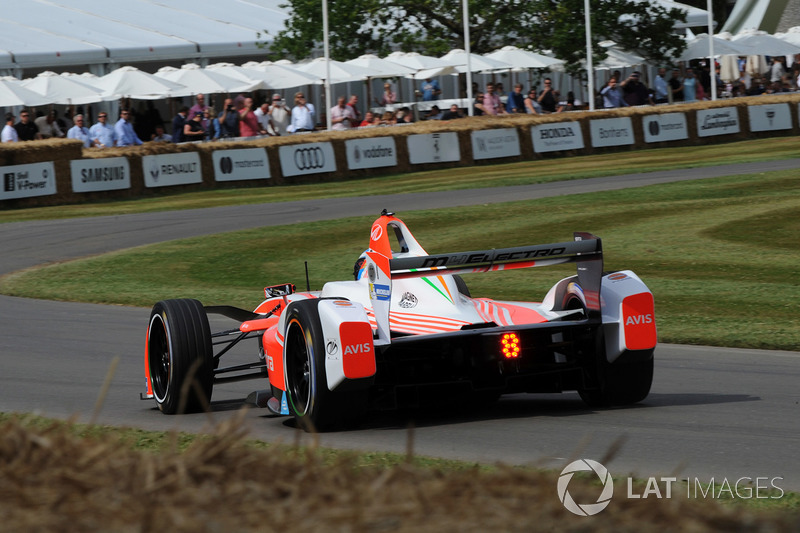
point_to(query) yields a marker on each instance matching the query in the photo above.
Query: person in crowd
(80, 132)
(634, 91)
(124, 130)
(302, 115)
(280, 114)
(757, 86)
(777, 69)
(26, 129)
(160, 135)
(388, 97)
(477, 105)
(548, 98)
(453, 113)
(612, 95)
(430, 90)
(388, 118)
(352, 103)
(264, 118)
(179, 123)
(102, 133)
(149, 118)
(214, 130)
(434, 114)
(248, 121)
(65, 121)
(342, 115)
(193, 129)
(199, 105)
(369, 120)
(48, 126)
(9, 133)
(491, 101)
(229, 119)
(690, 86)
(531, 103)
(676, 86)
(662, 87)
(516, 100)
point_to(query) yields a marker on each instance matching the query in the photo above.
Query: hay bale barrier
(380, 150)
(52, 479)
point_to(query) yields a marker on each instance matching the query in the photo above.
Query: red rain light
(510, 346)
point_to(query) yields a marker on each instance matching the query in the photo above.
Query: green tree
(435, 26)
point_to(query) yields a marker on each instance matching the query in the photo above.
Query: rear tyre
(180, 356)
(311, 403)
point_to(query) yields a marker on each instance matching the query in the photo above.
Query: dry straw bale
(51, 480)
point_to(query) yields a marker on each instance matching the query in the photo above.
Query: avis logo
(359, 348)
(635, 320)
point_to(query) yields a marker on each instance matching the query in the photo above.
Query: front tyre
(180, 356)
(311, 403)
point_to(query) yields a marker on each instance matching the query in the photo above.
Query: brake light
(510, 346)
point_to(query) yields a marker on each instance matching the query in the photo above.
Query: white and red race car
(406, 331)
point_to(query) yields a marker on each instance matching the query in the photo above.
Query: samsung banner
(25, 181)
(488, 144)
(433, 148)
(241, 164)
(107, 174)
(309, 158)
(556, 137)
(171, 169)
(611, 132)
(770, 117)
(718, 121)
(665, 127)
(371, 153)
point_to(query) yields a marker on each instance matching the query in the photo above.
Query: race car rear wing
(586, 250)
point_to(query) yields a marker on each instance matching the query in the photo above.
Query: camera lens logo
(225, 165)
(357, 154)
(309, 158)
(9, 183)
(585, 509)
(654, 128)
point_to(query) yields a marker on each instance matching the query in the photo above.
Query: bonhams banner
(611, 132)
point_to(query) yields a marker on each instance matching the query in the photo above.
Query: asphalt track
(712, 413)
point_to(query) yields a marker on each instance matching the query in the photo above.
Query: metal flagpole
(711, 62)
(327, 63)
(589, 66)
(470, 107)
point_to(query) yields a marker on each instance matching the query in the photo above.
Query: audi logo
(226, 165)
(309, 158)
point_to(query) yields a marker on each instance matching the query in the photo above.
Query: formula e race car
(406, 331)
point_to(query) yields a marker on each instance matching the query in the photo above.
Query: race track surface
(712, 412)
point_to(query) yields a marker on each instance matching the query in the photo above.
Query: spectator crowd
(243, 117)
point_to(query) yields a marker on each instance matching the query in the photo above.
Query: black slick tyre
(180, 356)
(313, 405)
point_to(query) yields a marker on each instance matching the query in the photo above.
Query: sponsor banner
(371, 153)
(241, 164)
(488, 144)
(171, 169)
(25, 181)
(665, 127)
(770, 117)
(109, 174)
(611, 132)
(433, 148)
(557, 136)
(308, 158)
(718, 121)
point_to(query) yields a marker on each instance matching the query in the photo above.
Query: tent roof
(51, 33)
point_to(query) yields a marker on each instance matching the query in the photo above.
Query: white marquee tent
(102, 35)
